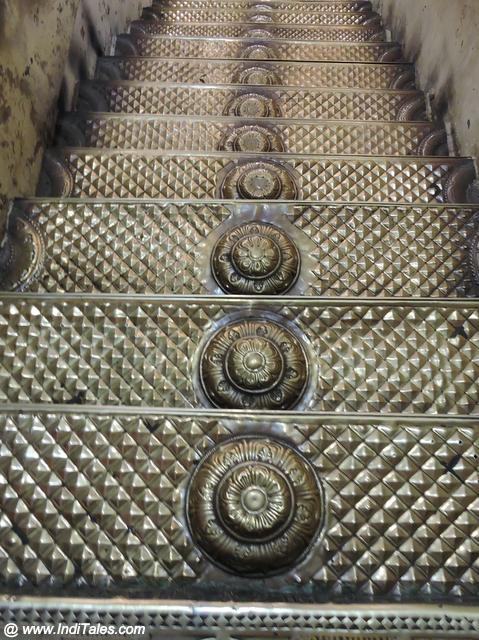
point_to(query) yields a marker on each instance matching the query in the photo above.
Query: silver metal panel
(243, 30)
(186, 619)
(160, 247)
(262, 18)
(238, 48)
(345, 104)
(372, 356)
(98, 499)
(326, 6)
(325, 74)
(209, 134)
(109, 174)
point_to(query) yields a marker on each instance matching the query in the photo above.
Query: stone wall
(45, 46)
(441, 36)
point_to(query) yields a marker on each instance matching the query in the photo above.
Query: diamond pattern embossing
(206, 135)
(368, 76)
(121, 175)
(183, 48)
(233, 15)
(130, 97)
(326, 34)
(103, 494)
(370, 357)
(358, 250)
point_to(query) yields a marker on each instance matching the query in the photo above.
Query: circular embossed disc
(252, 138)
(254, 505)
(259, 180)
(26, 256)
(253, 363)
(258, 52)
(257, 75)
(257, 258)
(252, 106)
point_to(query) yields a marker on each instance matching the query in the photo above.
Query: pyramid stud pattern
(250, 341)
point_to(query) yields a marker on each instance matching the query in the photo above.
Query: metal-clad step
(106, 173)
(346, 250)
(99, 484)
(237, 48)
(321, 74)
(416, 356)
(263, 18)
(258, 101)
(372, 33)
(233, 134)
(328, 6)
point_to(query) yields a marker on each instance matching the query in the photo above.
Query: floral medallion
(254, 363)
(252, 105)
(257, 75)
(262, 180)
(254, 506)
(252, 138)
(255, 258)
(25, 255)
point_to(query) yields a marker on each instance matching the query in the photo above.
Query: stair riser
(239, 49)
(225, 135)
(166, 248)
(130, 97)
(324, 75)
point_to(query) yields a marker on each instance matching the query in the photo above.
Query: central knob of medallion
(254, 501)
(256, 256)
(252, 140)
(254, 364)
(259, 182)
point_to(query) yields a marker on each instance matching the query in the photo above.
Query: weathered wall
(441, 36)
(45, 45)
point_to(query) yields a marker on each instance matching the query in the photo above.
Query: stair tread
(315, 74)
(308, 32)
(129, 96)
(240, 48)
(149, 174)
(416, 356)
(345, 250)
(273, 17)
(211, 134)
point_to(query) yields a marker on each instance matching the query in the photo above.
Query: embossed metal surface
(197, 620)
(117, 517)
(168, 47)
(258, 16)
(329, 6)
(228, 134)
(257, 258)
(321, 74)
(314, 431)
(253, 363)
(248, 30)
(254, 505)
(140, 174)
(159, 247)
(198, 100)
(409, 356)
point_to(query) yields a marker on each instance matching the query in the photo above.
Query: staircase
(241, 340)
